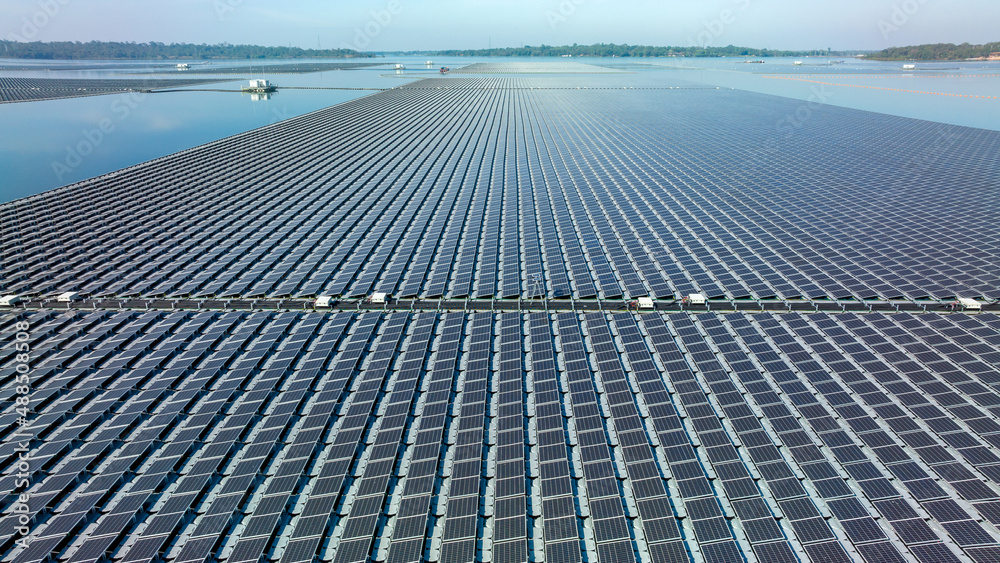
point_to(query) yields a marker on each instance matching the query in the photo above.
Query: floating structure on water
(445, 322)
(35, 89)
(276, 68)
(259, 86)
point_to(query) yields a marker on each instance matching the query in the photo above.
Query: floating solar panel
(282, 68)
(35, 89)
(542, 426)
(388, 398)
(520, 197)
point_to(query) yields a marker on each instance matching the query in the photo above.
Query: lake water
(57, 142)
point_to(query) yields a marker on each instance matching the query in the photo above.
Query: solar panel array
(278, 68)
(64, 65)
(194, 436)
(602, 190)
(565, 67)
(219, 435)
(34, 89)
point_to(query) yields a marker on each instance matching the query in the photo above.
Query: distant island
(101, 50)
(613, 50)
(112, 50)
(104, 50)
(940, 52)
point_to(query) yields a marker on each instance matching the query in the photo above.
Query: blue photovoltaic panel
(555, 210)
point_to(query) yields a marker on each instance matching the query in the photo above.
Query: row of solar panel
(233, 435)
(514, 193)
(280, 68)
(531, 68)
(792, 223)
(32, 89)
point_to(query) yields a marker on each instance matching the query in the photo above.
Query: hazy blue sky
(443, 24)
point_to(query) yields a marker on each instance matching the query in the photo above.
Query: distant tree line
(613, 50)
(154, 50)
(937, 52)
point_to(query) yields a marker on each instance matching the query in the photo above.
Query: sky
(391, 25)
